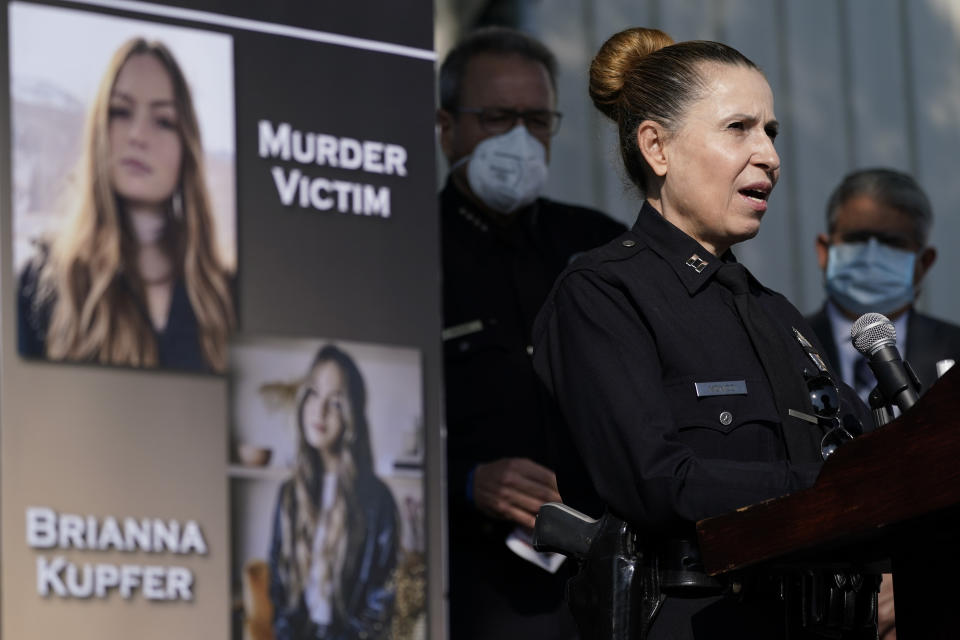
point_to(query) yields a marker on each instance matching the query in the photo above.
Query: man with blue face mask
(874, 257)
(503, 245)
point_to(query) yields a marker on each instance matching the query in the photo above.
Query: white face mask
(507, 172)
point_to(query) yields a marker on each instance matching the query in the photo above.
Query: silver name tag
(722, 388)
(460, 330)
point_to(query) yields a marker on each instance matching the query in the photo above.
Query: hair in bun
(641, 74)
(616, 58)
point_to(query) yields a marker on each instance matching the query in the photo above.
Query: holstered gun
(622, 581)
(616, 593)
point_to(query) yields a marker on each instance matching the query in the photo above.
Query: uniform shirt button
(529, 349)
(726, 418)
(629, 243)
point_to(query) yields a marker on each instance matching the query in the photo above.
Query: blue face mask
(869, 276)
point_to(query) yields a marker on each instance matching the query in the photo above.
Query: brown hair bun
(616, 58)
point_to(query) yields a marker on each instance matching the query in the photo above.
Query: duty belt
(624, 579)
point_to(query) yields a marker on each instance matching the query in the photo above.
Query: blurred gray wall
(857, 83)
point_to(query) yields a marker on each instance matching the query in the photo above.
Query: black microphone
(875, 337)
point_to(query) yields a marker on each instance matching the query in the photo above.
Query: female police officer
(684, 383)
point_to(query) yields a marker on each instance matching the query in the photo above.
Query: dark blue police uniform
(629, 334)
(495, 278)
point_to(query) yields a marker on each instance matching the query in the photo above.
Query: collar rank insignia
(696, 263)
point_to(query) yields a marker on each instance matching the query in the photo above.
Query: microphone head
(871, 332)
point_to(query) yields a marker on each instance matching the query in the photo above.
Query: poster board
(127, 468)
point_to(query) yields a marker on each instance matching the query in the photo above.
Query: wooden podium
(888, 500)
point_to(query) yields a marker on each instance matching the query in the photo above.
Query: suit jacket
(928, 340)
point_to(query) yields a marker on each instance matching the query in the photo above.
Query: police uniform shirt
(495, 279)
(622, 343)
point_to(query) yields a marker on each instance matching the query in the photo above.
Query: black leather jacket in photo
(368, 593)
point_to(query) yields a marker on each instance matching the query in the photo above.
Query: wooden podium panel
(876, 494)
(889, 500)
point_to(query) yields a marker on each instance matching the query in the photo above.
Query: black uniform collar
(455, 205)
(693, 264)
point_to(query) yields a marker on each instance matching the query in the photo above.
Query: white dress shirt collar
(846, 353)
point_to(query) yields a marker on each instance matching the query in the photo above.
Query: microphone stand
(881, 411)
(879, 406)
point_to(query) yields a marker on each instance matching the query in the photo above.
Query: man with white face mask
(874, 257)
(503, 246)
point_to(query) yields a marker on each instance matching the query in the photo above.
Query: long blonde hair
(344, 522)
(90, 275)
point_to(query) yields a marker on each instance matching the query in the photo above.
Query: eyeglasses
(832, 440)
(825, 399)
(824, 396)
(496, 120)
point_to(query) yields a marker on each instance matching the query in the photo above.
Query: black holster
(616, 592)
